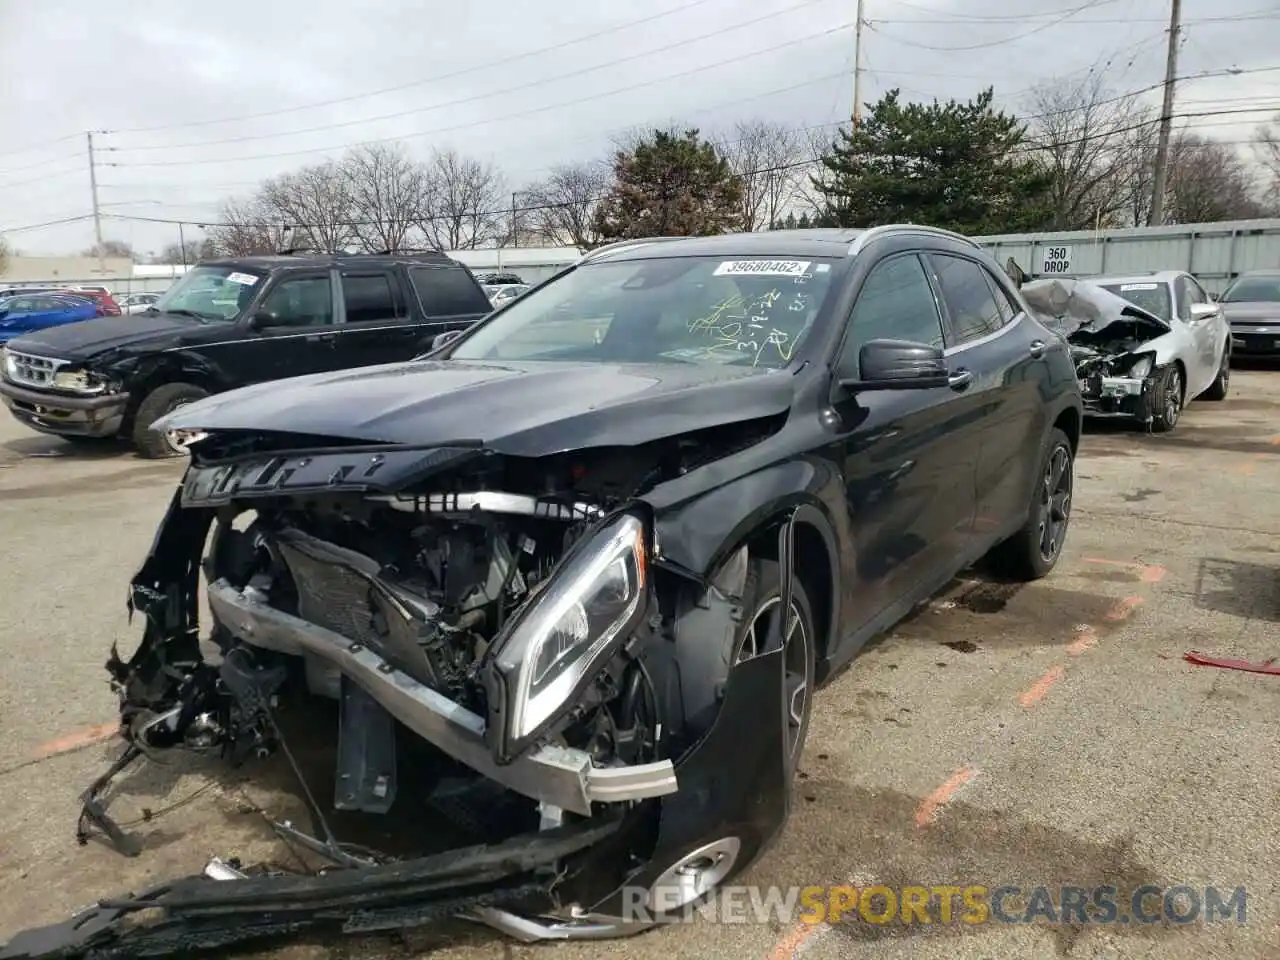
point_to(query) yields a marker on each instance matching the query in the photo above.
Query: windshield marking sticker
(247, 279)
(762, 268)
(1139, 286)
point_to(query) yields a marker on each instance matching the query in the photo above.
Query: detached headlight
(567, 632)
(1141, 367)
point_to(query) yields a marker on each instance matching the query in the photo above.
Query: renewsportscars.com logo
(944, 904)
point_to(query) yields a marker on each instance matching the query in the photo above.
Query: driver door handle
(1037, 349)
(959, 380)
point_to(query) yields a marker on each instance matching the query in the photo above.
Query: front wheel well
(812, 565)
(1069, 423)
(145, 385)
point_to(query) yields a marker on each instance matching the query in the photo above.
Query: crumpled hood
(88, 338)
(522, 409)
(1071, 306)
(1248, 312)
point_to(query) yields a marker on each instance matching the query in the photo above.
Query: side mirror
(896, 365)
(262, 319)
(441, 339)
(1203, 311)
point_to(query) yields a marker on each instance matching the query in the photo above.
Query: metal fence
(1215, 253)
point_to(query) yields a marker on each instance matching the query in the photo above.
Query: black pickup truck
(232, 323)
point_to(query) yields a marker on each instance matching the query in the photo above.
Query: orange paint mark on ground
(1122, 609)
(1153, 573)
(1087, 639)
(935, 801)
(789, 945)
(1035, 693)
(81, 738)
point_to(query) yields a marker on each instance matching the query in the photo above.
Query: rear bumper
(559, 776)
(65, 415)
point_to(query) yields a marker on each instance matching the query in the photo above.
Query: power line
(1189, 23)
(518, 88)
(978, 18)
(31, 148)
(734, 60)
(48, 223)
(47, 176)
(994, 43)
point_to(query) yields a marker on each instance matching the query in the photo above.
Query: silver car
(1144, 345)
(1252, 305)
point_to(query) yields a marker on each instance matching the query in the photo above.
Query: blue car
(29, 313)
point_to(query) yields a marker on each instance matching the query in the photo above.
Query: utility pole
(1160, 174)
(857, 68)
(97, 213)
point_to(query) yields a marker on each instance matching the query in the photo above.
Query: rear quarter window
(447, 292)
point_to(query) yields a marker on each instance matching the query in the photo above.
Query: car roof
(836, 242)
(280, 260)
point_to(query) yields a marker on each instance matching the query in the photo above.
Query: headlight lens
(81, 381)
(570, 628)
(1142, 366)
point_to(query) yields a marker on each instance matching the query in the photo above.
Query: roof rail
(874, 233)
(624, 245)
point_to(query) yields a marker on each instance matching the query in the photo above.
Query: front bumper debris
(63, 414)
(219, 909)
(1127, 397)
(559, 776)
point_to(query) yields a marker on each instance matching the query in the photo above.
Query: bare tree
(316, 202)
(763, 154)
(115, 249)
(465, 206)
(5, 254)
(1079, 134)
(192, 251)
(814, 145)
(567, 202)
(249, 227)
(1137, 172)
(1208, 181)
(388, 193)
(1267, 151)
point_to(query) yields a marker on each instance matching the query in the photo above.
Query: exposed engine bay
(497, 638)
(1116, 345)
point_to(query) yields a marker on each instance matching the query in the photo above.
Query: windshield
(1260, 289)
(1149, 295)
(211, 293)
(672, 310)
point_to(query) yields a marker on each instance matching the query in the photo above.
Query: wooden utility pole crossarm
(1160, 174)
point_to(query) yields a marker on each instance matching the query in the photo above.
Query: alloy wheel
(1055, 502)
(1172, 398)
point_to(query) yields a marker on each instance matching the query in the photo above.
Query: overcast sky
(183, 87)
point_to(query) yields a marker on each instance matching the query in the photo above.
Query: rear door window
(447, 292)
(966, 294)
(370, 297)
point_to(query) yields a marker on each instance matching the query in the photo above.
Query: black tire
(764, 588)
(1029, 554)
(1170, 396)
(163, 399)
(1222, 383)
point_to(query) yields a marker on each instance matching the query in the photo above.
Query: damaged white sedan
(1144, 347)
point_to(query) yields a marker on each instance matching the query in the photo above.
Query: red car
(107, 306)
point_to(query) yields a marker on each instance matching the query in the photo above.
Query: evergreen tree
(670, 185)
(960, 166)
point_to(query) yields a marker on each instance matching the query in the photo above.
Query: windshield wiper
(179, 312)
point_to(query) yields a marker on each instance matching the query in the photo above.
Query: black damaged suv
(233, 323)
